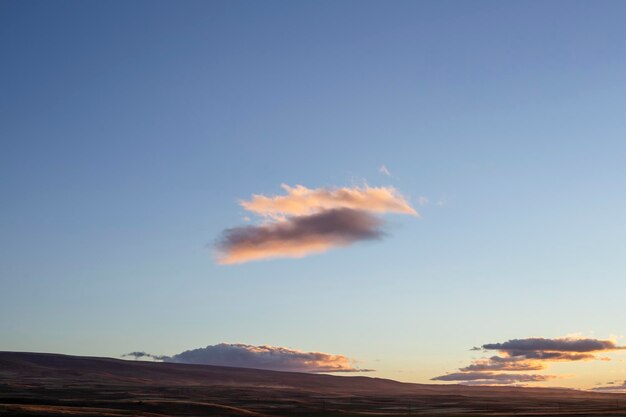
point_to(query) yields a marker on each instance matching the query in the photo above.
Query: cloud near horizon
(259, 357)
(516, 347)
(530, 354)
(493, 378)
(307, 221)
(144, 355)
(612, 387)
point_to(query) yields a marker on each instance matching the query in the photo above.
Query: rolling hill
(42, 384)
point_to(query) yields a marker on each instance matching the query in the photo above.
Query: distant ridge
(77, 369)
(55, 385)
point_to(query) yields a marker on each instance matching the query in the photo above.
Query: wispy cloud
(612, 386)
(530, 354)
(144, 355)
(260, 357)
(497, 363)
(306, 221)
(489, 378)
(383, 170)
(301, 200)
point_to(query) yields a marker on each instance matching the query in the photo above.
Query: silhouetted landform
(42, 384)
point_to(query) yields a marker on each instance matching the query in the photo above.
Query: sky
(137, 138)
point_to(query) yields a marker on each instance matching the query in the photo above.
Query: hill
(42, 384)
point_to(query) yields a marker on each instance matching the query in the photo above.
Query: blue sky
(130, 131)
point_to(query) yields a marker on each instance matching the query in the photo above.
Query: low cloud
(530, 354)
(260, 357)
(144, 355)
(497, 363)
(539, 344)
(493, 378)
(612, 386)
(306, 221)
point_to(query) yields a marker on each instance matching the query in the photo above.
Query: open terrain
(39, 384)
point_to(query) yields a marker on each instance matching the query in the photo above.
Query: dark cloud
(491, 377)
(554, 356)
(260, 357)
(612, 386)
(142, 355)
(521, 346)
(531, 354)
(497, 363)
(298, 236)
(529, 361)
